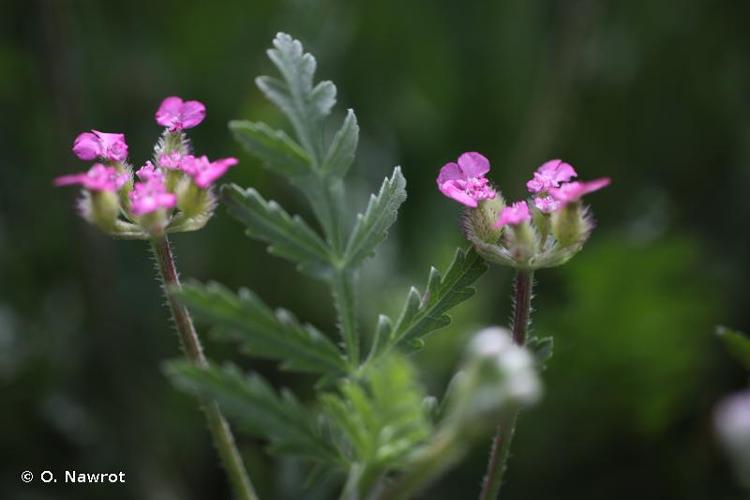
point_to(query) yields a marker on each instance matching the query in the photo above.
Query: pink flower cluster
(149, 193)
(551, 187)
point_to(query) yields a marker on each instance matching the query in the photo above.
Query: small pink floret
(550, 175)
(171, 160)
(465, 181)
(98, 178)
(150, 195)
(573, 191)
(148, 171)
(176, 114)
(102, 145)
(514, 214)
(204, 172)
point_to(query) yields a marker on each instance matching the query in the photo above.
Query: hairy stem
(342, 287)
(217, 424)
(501, 443)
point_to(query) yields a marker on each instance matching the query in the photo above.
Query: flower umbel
(465, 181)
(525, 235)
(174, 191)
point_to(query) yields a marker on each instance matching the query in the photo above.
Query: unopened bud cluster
(498, 377)
(543, 232)
(170, 193)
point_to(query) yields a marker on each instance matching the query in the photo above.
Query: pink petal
(69, 180)
(213, 171)
(573, 191)
(514, 214)
(450, 171)
(473, 164)
(192, 113)
(450, 190)
(86, 146)
(169, 111)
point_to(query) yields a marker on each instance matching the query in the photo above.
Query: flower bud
(192, 200)
(479, 223)
(571, 225)
(498, 378)
(101, 208)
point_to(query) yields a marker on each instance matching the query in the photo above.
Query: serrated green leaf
(304, 105)
(421, 315)
(288, 237)
(262, 332)
(278, 152)
(737, 343)
(379, 429)
(372, 226)
(343, 148)
(257, 407)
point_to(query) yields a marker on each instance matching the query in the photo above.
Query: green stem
(342, 287)
(442, 453)
(217, 424)
(501, 443)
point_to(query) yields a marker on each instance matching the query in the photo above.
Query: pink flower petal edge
(98, 178)
(465, 181)
(573, 191)
(205, 172)
(514, 214)
(176, 114)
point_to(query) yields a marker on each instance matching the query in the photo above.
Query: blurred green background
(655, 94)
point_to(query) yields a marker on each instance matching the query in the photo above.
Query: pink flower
(550, 175)
(573, 191)
(98, 178)
(95, 144)
(176, 114)
(546, 203)
(203, 172)
(148, 172)
(465, 181)
(514, 214)
(171, 160)
(150, 195)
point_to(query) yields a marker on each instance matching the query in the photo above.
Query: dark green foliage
(737, 343)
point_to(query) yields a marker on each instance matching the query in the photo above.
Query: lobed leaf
(304, 105)
(372, 226)
(343, 147)
(425, 313)
(257, 407)
(262, 332)
(379, 430)
(288, 237)
(274, 148)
